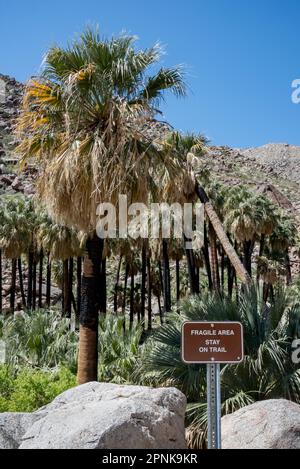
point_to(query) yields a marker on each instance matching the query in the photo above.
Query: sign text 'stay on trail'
(212, 342)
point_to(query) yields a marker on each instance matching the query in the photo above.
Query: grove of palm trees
(76, 308)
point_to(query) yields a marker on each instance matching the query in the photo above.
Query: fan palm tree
(82, 119)
(247, 217)
(18, 223)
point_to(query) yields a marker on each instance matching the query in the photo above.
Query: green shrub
(28, 390)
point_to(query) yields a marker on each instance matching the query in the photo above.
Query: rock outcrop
(272, 424)
(101, 416)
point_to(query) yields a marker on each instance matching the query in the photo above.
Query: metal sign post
(212, 344)
(213, 406)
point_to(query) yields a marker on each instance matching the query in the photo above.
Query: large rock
(109, 416)
(273, 424)
(13, 426)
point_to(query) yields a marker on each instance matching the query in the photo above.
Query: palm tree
(82, 120)
(16, 233)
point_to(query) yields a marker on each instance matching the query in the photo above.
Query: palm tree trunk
(48, 282)
(161, 316)
(177, 280)
(21, 282)
(247, 248)
(13, 284)
(131, 310)
(116, 289)
(70, 287)
(89, 312)
(149, 293)
(223, 238)
(41, 279)
(214, 259)
(79, 273)
(143, 285)
(192, 270)
(166, 278)
(288, 268)
(103, 294)
(29, 278)
(205, 252)
(230, 278)
(222, 270)
(1, 298)
(65, 289)
(34, 284)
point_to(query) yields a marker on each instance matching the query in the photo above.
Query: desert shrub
(27, 390)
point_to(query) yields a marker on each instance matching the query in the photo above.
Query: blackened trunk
(29, 278)
(21, 283)
(177, 280)
(214, 259)
(205, 252)
(166, 278)
(143, 285)
(34, 285)
(65, 288)
(103, 286)
(288, 269)
(149, 293)
(192, 270)
(79, 273)
(89, 312)
(247, 248)
(41, 279)
(116, 289)
(222, 270)
(131, 311)
(48, 283)
(70, 287)
(161, 316)
(13, 284)
(1, 298)
(230, 278)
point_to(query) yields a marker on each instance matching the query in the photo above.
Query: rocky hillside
(273, 169)
(11, 181)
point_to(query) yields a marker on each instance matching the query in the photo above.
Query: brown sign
(212, 342)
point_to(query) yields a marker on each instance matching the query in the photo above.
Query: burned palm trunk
(192, 270)
(143, 285)
(205, 252)
(29, 278)
(103, 286)
(78, 274)
(13, 284)
(48, 282)
(41, 279)
(247, 247)
(214, 260)
(70, 287)
(1, 298)
(131, 309)
(21, 282)
(34, 265)
(149, 294)
(65, 285)
(166, 278)
(288, 269)
(116, 288)
(89, 312)
(230, 278)
(177, 280)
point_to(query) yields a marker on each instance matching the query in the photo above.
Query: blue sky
(241, 56)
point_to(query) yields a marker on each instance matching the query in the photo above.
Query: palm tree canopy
(82, 118)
